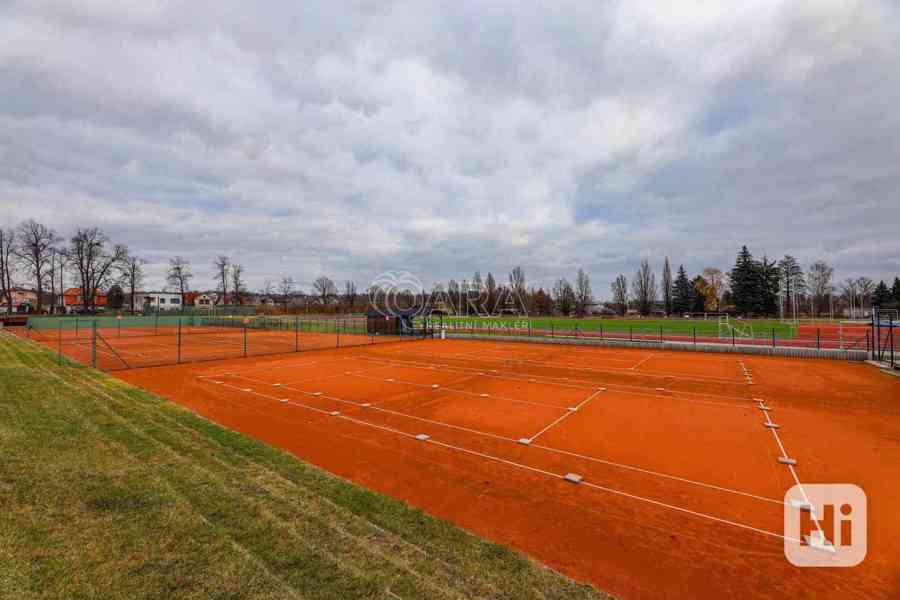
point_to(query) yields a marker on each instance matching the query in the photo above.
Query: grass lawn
(674, 326)
(107, 491)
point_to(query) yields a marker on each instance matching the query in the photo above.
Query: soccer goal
(734, 328)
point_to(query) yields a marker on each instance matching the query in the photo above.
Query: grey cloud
(352, 138)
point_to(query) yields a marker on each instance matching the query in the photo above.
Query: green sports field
(758, 328)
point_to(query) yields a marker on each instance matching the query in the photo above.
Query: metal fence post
(660, 334)
(296, 334)
(59, 340)
(732, 338)
(818, 339)
(178, 335)
(337, 329)
(94, 343)
(695, 336)
(630, 333)
(773, 337)
(245, 340)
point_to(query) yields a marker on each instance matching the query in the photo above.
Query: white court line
(391, 412)
(784, 454)
(283, 382)
(623, 370)
(466, 392)
(582, 384)
(563, 417)
(547, 448)
(635, 367)
(544, 472)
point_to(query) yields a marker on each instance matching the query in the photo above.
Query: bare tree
(94, 262)
(58, 260)
(518, 289)
(865, 287)
(849, 291)
(619, 290)
(131, 275)
(324, 289)
(490, 294)
(238, 287)
(643, 288)
(818, 278)
(667, 286)
(179, 275)
(285, 290)
(35, 242)
(350, 294)
(222, 267)
(267, 290)
(7, 266)
(563, 296)
(716, 285)
(584, 296)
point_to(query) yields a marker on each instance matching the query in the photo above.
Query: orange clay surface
(129, 348)
(682, 495)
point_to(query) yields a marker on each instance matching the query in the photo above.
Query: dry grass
(107, 491)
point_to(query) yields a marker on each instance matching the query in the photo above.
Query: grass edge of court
(111, 414)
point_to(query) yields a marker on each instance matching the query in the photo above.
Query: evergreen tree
(896, 291)
(745, 283)
(881, 297)
(115, 297)
(769, 283)
(682, 293)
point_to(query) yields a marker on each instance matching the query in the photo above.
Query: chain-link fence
(116, 343)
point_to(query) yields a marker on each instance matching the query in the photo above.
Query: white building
(157, 301)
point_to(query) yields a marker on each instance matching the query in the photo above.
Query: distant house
(157, 301)
(73, 300)
(23, 301)
(198, 300)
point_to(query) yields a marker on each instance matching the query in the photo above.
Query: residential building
(157, 301)
(73, 300)
(199, 300)
(23, 301)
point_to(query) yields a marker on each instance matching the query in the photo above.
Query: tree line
(753, 288)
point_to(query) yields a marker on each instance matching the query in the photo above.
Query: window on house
(175, 301)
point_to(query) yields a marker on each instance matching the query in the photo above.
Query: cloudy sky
(349, 138)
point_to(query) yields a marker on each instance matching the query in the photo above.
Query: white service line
(563, 417)
(635, 367)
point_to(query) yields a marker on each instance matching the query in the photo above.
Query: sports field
(806, 334)
(647, 473)
(107, 491)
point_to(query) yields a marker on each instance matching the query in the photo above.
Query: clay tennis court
(647, 473)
